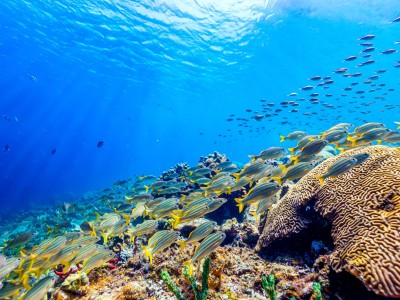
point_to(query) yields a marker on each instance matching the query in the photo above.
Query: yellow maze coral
(363, 206)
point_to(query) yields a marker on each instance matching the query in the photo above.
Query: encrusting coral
(363, 207)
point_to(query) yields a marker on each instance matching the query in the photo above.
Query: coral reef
(362, 206)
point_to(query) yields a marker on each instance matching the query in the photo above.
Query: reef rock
(363, 207)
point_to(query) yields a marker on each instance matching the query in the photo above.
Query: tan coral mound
(363, 206)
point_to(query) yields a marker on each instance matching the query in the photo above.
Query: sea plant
(171, 285)
(199, 294)
(317, 295)
(268, 283)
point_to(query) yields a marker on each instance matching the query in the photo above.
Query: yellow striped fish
(39, 290)
(86, 252)
(96, 261)
(8, 266)
(10, 290)
(259, 192)
(207, 246)
(294, 172)
(341, 166)
(198, 234)
(146, 227)
(158, 242)
(182, 216)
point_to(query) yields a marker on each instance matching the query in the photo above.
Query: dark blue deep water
(156, 81)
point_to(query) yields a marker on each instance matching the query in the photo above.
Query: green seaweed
(317, 294)
(268, 283)
(171, 285)
(199, 294)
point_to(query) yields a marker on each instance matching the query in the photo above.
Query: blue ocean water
(156, 81)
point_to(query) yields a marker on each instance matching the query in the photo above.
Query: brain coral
(363, 206)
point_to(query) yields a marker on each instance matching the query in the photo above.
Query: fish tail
(105, 237)
(189, 264)
(253, 158)
(292, 150)
(241, 207)
(278, 179)
(182, 243)
(24, 281)
(320, 178)
(352, 140)
(147, 188)
(254, 214)
(283, 167)
(294, 159)
(97, 216)
(237, 176)
(398, 123)
(282, 138)
(48, 229)
(379, 142)
(178, 212)
(23, 253)
(176, 220)
(147, 253)
(229, 190)
(341, 150)
(127, 218)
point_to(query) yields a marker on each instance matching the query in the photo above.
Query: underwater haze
(96, 91)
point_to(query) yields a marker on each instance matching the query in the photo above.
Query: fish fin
(341, 150)
(238, 200)
(23, 252)
(176, 220)
(229, 190)
(278, 179)
(254, 214)
(24, 282)
(283, 167)
(127, 218)
(352, 140)
(253, 158)
(128, 198)
(241, 207)
(105, 237)
(294, 159)
(320, 178)
(237, 176)
(282, 138)
(189, 264)
(178, 212)
(147, 253)
(292, 150)
(182, 243)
